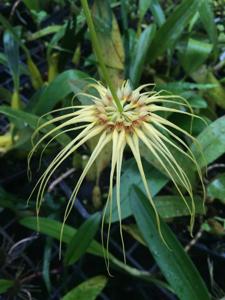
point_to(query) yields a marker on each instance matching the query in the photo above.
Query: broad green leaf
(211, 142)
(174, 206)
(82, 239)
(195, 54)
(5, 285)
(208, 19)
(171, 30)
(216, 188)
(31, 120)
(57, 90)
(87, 290)
(131, 176)
(140, 54)
(174, 263)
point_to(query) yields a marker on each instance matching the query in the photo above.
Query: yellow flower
(137, 123)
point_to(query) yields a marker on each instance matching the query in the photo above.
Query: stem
(98, 53)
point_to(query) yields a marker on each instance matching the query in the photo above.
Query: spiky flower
(139, 122)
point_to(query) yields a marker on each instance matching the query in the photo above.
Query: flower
(139, 122)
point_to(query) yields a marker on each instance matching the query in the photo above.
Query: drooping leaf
(82, 239)
(89, 289)
(171, 30)
(174, 263)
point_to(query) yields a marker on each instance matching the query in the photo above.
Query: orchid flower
(139, 122)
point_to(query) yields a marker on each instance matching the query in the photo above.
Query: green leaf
(89, 289)
(174, 206)
(156, 10)
(208, 20)
(12, 30)
(11, 48)
(53, 229)
(110, 40)
(43, 32)
(187, 165)
(5, 285)
(140, 54)
(57, 90)
(32, 4)
(217, 94)
(211, 141)
(31, 120)
(174, 263)
(216, 188)
(171, 30)
(195, 54)
(82, 239)
(130, 177)
(180, 86)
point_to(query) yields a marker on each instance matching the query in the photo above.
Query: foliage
(47, 63)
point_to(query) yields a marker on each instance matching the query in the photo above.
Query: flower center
(135, 110)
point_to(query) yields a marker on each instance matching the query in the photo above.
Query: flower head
(139, 122)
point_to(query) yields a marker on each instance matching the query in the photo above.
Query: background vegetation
(46, 57)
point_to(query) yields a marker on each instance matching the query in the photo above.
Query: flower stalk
(99, 55)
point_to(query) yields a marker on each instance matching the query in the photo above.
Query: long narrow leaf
(174, 263)
(171, 30)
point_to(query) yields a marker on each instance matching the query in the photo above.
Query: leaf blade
(174, 262)
(82, 239)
